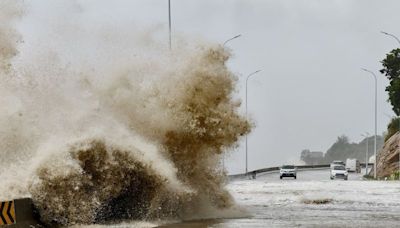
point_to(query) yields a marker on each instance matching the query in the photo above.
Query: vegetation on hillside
(343, 149)
(392, 127)
(391, 69)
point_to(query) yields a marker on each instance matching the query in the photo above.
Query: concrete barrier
(19, 213)
(253, 173)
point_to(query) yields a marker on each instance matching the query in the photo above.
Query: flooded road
(313, 200)
(272, 202)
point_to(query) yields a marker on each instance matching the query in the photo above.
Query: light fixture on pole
(376, 110)
(388, 34)
(226, 41)
(247, 79)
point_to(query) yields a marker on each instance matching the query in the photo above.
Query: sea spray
(99, 182)
(131, 132)
(9, 13)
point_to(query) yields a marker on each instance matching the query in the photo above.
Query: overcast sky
(310, 89)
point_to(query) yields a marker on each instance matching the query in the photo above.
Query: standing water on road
(99, 125)
(313, 200)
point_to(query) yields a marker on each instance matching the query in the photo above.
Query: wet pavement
(313, 200)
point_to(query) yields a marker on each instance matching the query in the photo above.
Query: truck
(353, 165)
(336, 162)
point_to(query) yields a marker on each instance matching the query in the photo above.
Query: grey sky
(311, 88)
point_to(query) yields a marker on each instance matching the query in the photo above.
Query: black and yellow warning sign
(7, 213)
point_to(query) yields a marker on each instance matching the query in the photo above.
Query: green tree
(392, 128)
(391, 69)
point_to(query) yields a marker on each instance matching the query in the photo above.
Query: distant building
(312, 157)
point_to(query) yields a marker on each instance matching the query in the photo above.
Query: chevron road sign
(7, 213)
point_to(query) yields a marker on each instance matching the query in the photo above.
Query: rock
(388, 157)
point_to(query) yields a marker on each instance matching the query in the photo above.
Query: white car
(334, 163)
(288, 171)
(339, 171)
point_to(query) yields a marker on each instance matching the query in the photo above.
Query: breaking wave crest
(123, 136)
(102, 182)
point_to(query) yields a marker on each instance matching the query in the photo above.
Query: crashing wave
(116, 137)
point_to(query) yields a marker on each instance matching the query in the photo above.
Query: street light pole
(169, 22)
(376, 111)
(247, 79)
(223, 155)
(366, 153)
(237, 36)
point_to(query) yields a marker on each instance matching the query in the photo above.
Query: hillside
(388, 158)
(343, 149)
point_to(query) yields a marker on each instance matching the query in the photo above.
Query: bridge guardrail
(270, 169)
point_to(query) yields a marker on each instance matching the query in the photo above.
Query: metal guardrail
(270, 169)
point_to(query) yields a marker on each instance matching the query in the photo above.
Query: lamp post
(226, 41)
(376, 110)
(366, 153)
(169, 22)
(398, 40)
(247, 79)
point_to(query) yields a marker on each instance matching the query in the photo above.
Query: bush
(395, 176)
(368, 177)
(392, 128)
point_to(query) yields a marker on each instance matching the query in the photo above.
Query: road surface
(272, 202)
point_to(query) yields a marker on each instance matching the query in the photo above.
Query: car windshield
(288, 167)
(338, 162)
(338, 168)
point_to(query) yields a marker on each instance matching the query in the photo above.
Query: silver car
(288, 171)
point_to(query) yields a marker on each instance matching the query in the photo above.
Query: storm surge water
(100, 125)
